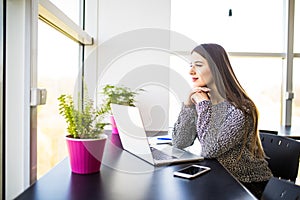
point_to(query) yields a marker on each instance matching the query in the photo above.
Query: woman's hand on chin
(197, 95)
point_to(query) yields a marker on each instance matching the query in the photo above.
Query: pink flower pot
(114, 129)
(86, 154)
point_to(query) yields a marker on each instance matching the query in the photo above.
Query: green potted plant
(86, 139)
(117, 95)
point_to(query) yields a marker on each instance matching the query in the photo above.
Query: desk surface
(124, 176)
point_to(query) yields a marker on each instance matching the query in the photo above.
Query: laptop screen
(131, 131)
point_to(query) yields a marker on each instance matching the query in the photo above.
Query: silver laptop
(134, 139)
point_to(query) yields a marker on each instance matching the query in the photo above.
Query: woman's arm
(184, 131)
(216, 141)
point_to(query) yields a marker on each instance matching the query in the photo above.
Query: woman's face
(200, 71)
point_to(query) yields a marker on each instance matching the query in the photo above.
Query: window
(297, 28)
(254, 36)
(264, 90)
(254, 26)
(58, 67)
(296, 69)
(71, 8)
(59, 63)
(296, 86)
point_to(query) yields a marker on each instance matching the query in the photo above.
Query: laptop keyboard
(159, 155)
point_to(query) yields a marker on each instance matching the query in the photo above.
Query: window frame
(21, 57)
(54, 17)
(2, 93)
(57, 19)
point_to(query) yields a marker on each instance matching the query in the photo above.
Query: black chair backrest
(283, 155)
(281, 189)
(268, 131)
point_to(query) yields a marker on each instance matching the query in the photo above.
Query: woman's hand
(197, 95)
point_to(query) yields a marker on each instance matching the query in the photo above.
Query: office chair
(268, 131)
(282, 155)
(281, 189)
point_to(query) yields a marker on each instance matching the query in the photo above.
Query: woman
(224, 119)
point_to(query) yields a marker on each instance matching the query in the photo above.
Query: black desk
(123, 176)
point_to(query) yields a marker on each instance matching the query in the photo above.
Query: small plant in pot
(86, 139)
(117, 95)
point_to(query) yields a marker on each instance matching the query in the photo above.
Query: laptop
(134, 139)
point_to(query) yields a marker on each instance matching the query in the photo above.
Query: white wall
(131, 40)
(17, 97)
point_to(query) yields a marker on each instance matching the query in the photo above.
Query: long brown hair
(230, 89)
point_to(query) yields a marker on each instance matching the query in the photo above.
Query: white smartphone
(191, 171)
